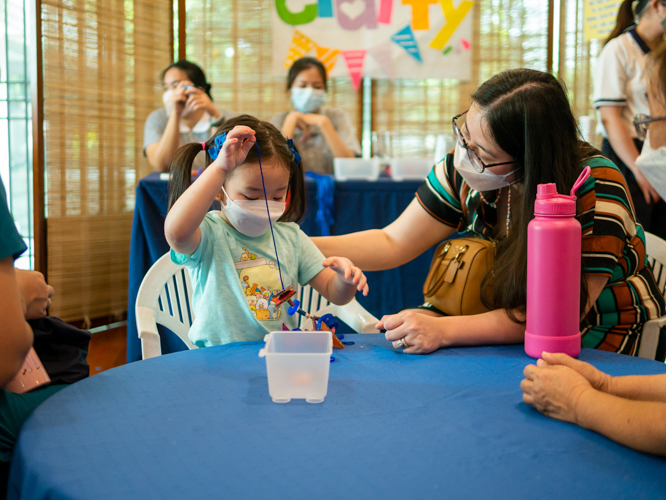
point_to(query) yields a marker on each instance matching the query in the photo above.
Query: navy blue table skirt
(200, 424)
(359, 205)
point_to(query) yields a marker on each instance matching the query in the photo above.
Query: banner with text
(376, 38)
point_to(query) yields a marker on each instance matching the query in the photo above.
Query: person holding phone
(188, 115)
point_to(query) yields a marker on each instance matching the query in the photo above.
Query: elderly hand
(35, 293)
(599, 380)
(554, 390)
(421, 333)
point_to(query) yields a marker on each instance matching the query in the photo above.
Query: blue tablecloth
(200, 424)
(359, 205)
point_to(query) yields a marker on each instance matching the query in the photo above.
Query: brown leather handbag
(453, 284)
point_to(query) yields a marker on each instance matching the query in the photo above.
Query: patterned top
(613, 246)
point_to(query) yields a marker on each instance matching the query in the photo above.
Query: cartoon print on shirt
(259, 280)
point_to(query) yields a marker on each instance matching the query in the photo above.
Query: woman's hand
(348, 273)
(554, 390)
(599, 380)
(197, 100)
(179, 97)
(649, 193)
(235, 149)
(421, 332)
(294, 120)
(315, 120)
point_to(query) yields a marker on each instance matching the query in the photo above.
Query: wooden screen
(101, 62)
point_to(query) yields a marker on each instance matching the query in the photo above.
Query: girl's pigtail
(181, 170)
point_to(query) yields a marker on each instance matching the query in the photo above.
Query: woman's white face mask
(652, 164)
(249, 216)
(484, 181)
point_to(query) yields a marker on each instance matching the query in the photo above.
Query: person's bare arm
(15, 333)
(411, 234)
(159, 154)
(640, 425)
(623, 145)
(35, 293)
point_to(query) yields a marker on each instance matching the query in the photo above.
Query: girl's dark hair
(193, 72)
(303, 64)
(626, 17)
(272, 147)
(529, 117)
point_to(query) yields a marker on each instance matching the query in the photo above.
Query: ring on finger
(402, 344)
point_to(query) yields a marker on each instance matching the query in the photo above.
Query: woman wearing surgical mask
(321, 133)
(652, 160)
(188, 115)
(620, 93)
(518, 132)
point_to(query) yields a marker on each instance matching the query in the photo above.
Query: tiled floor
(107, 350)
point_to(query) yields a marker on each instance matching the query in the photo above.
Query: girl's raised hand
(235, 148)
(348, 272)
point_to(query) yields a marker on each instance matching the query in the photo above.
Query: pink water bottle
(553, 273)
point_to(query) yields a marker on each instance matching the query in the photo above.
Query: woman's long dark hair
(626, 17)
(193, 72)
(272, 146)
(529, 116)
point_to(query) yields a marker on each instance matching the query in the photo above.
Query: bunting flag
(382, 54)
(355, 60)
(300, 45)
(405, 38)
(328, 57)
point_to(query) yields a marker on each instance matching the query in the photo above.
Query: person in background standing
(620, 92)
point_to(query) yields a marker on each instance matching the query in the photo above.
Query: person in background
(620, 92)
(24, 295)
(652, 161)
(188, 115)
(321, 133)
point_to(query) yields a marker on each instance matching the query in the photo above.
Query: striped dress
(613, 246)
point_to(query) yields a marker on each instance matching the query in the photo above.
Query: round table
(200, 424)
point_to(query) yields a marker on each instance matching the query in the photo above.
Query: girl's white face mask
(652, 164)
(484, 181)
(249, 216)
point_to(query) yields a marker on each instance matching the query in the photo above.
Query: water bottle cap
(559, 204)
(546, 191)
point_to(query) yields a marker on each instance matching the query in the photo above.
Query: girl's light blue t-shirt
(234, 277)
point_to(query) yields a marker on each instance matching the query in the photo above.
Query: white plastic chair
(655, 248)
(165, 298)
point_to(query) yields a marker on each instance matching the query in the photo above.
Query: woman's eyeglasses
(477, 163)
(642, 122)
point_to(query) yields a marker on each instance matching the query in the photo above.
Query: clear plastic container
(356, 168)
(297, 364)
(410, 168)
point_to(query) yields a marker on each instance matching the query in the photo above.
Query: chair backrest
(165, 293)
(655, 248)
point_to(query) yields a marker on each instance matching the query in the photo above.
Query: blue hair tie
(297, 157)
(214, 151)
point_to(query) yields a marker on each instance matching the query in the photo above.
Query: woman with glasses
(620, 93)
(519, 132)
(652, 160)
(188, 115)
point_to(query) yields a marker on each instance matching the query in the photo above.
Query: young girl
(233, 260)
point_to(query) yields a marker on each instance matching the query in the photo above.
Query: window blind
(101, 62)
